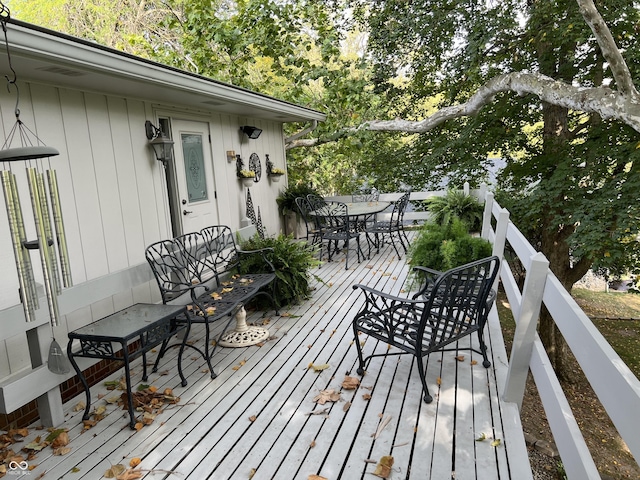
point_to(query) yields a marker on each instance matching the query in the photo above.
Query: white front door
(194, 175)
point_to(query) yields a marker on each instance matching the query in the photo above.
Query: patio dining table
(359, 209)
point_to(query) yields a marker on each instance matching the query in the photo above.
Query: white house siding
(114, 198)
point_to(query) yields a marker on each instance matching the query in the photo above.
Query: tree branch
(608, 103)
(610, 50)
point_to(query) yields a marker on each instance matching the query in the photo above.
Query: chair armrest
(429, 277)
(372, 292)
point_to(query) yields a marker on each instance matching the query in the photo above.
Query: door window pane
(194, 167)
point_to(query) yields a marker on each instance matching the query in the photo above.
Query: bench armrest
(262, 252)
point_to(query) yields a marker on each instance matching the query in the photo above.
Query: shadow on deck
(258, 420)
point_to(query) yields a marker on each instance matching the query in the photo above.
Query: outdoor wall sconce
(162, 145)
(251, 132)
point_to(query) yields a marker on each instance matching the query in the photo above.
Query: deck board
(255, 419)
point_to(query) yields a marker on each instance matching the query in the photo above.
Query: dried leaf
(319, 367)
(350, 383)
(346, 407)
(114, 471)
(460, 358)
(316, 477)
(129, 474)
(481, 438)
(253, 418)
(473, 362)
(312, 444)
(383, 424)
(78, 407)
(35, 445)
(439, 381)
(366, 396)
(61, 451)
(383, 468)
(496, 443)
(134, 462)
(327, 396)
(61, 440)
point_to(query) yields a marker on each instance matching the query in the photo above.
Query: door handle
(186, 212)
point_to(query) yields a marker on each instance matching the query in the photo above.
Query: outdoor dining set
(334, 223)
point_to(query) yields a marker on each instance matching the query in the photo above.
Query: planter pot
(275, 178)
(247, 181)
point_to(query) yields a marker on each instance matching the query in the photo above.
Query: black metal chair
(337, 228)
(361, 196)
(312, 225)
(448, 307)
(388, 229)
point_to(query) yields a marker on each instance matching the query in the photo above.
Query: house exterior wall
(114, 200)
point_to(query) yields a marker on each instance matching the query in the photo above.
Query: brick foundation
(28, 414)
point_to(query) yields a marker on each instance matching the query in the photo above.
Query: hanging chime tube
(48, 235)
(23, 260)
(45, 252)
(58, 222)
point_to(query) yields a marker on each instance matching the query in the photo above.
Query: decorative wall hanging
(273, 172)
(246, 176)
(47, 217)
(255, 167)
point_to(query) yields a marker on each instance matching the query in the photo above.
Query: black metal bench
(201, 269)
(448, 307)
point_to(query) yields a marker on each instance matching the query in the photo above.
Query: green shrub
(292, 262)
(442, 247)
(456, 204)
(287, 199)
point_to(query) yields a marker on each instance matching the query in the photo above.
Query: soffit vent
(62, 71)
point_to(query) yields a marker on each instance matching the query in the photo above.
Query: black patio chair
(390, 229)
(372, 196)
(312, 225)
(337, 228)
(449, 306)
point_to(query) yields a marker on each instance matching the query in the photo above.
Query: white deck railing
(613, 382)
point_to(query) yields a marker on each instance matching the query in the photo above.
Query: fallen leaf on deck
(129, 474)
(383, 468)
(383, 424)
(253, 418)
(481, 438)
(346, 407)
(439, 381)
(114, 471)
(75, 470)
(89, 423)
(350, 383)
(460, 358)
(473, 362)
(366, 396)
(252, 473)
(134, 462)
(61, 439)
(312, 444)
(61, 451)
(327, 396)
(316, 477)
(35, 445)
(496, 443)
(319, 367)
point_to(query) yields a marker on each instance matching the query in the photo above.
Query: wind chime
(47, 216)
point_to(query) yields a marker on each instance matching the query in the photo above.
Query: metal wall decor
(255, 166)
(45, 202)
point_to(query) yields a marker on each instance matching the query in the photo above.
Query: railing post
(466, 188)
(486, 215)
(525, 333)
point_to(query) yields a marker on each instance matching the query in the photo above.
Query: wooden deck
(256, 419)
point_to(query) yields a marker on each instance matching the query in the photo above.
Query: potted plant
(287, 206)
(247, 177)
(275, 174)
(456, 204)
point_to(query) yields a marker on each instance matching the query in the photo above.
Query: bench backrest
(222, 252)
(458, 303)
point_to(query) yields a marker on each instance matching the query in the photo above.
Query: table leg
(127, 376)
(83, 380)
